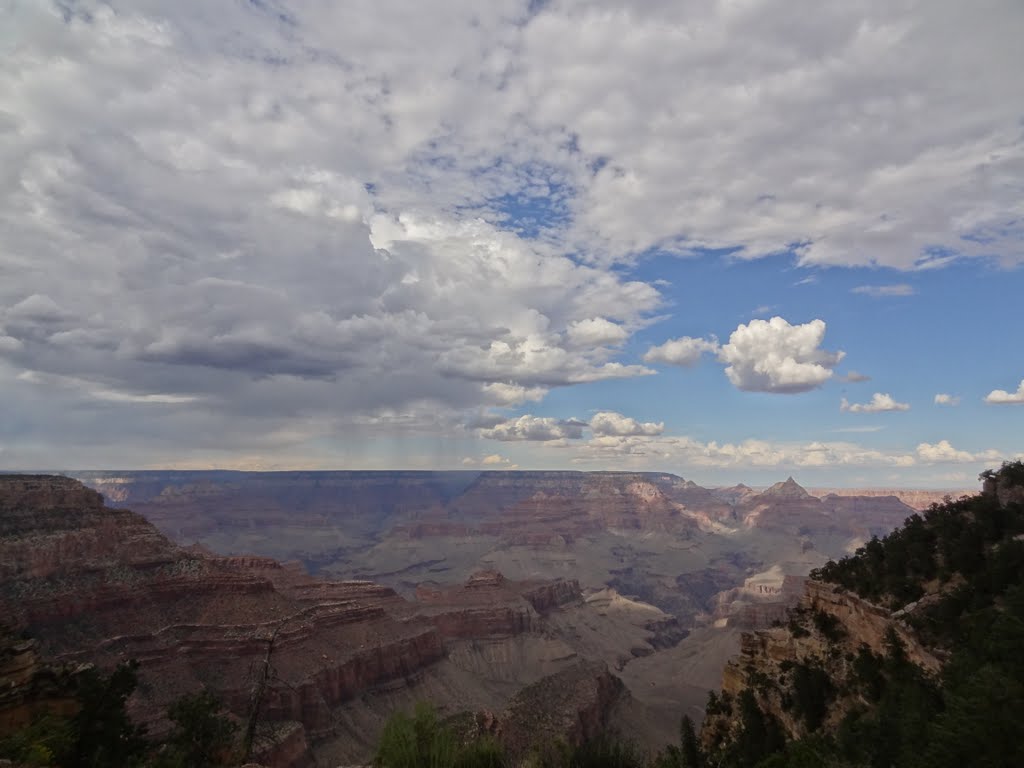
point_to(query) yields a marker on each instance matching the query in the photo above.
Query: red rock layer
(102, 585)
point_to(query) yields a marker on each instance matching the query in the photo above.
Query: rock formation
(99, 585)
(29, 687)
(905, 623)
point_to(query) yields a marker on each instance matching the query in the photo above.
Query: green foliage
(103, 734)
(689, 747)
(718, 704)
(1011, 472)
(902, 717)
(829, 626)
(812, 752)
(202, 736)
(40, 743)
(759, 737)
(812, 692)
(422, 741)
(606, 752)
(688, 754)
(957, 537)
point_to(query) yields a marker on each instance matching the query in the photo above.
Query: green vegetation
(102, 735)
(967, 556)
(422, 740)
(970, 538)
(201, 735)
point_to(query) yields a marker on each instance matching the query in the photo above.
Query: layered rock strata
(101, 585)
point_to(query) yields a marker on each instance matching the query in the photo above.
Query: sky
(731, 239)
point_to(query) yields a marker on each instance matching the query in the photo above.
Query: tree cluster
(102, 735)
(971, 550)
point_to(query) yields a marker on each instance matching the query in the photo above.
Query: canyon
(343, 596)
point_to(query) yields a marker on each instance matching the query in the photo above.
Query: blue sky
(735, 241)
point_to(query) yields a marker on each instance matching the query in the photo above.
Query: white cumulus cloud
(944, 452)
(1002, 397)
(596, 332)
(946, 399)
(685, 351)
(534, 428)
(612, 423)
(775, 356)
(880, 402)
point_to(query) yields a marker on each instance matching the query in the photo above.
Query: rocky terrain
(905, 653)
(916, 498)
(30, 687)
(653, 536)
(461, 588)
(326, 659)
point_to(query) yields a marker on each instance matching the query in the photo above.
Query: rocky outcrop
(1006, 486)
(763, 599)
(29, 687)
(572, 705)
(52, 527)
(827, 631)
(489, 605)
(915, 498)
(283, 745)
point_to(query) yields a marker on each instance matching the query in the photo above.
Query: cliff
(95, 584)
(29, 687)
(489, 605)
(99, 585)
(573, 705)
(881, 662)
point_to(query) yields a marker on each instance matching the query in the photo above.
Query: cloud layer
(880, 402)
(255, 227)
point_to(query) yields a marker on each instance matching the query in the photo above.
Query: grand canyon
(328, 600)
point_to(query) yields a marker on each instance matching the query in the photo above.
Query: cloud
(611, 423)
(944, 399)
(943, 452)
(504, 394)
(491, 461)
(1002, 397)
(534, 428)
(685, 351)
(774, 356)
(359, 227)
(881, 291)
(596, 332)
(749, 454)
(880, 402)
(855, 377)
(10, 344)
